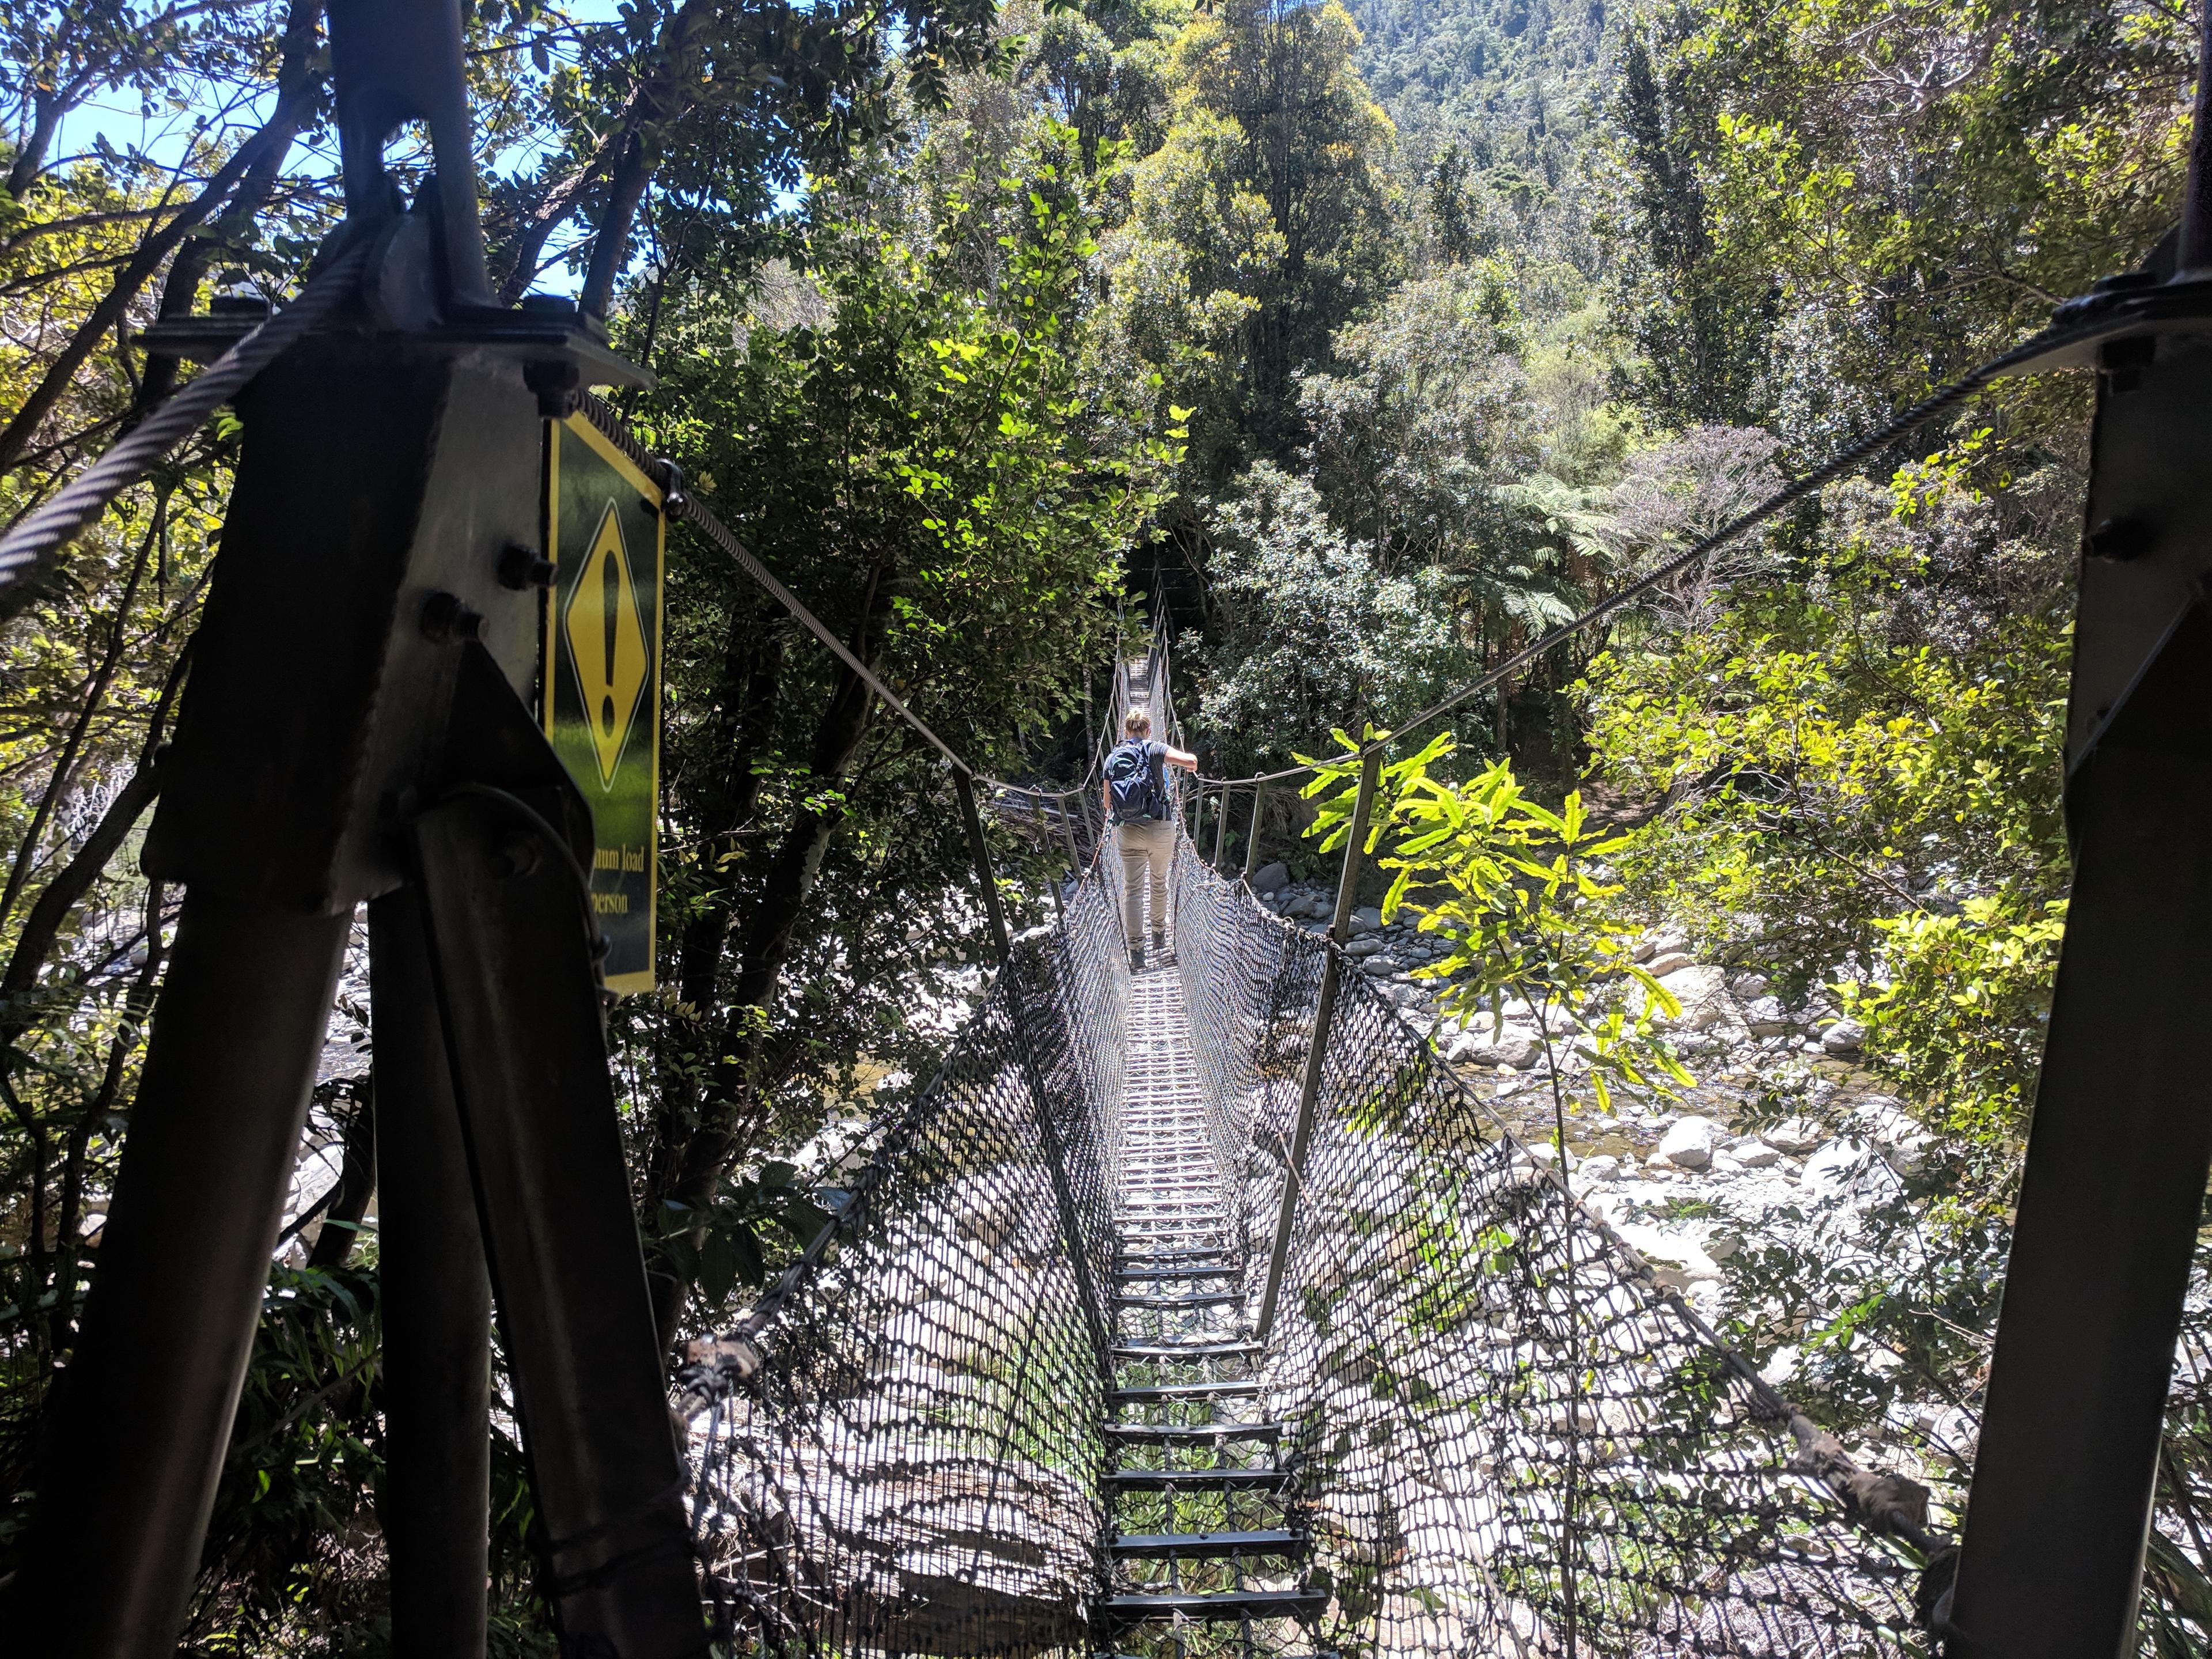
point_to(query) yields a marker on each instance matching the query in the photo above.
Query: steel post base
(521, 1013)
(435, 1506)
(2111, 1201)
(134, 1440)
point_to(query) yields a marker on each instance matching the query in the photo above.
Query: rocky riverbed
(1784, 1137)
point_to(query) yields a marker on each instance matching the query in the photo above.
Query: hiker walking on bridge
(1136, 796)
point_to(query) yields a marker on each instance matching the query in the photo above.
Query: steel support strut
(434, 1299)
(2113, 1193)
(2050, 1559)
(1339, 926)
(510, 949)
(126, 1474)
(352, 730)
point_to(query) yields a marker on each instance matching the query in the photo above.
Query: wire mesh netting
(1507, 1439)
(900, 1449)
(1480, 1425)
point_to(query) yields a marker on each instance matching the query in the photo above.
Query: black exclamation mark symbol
(610, 580)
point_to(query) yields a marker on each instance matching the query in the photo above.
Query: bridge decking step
(1206, 1480)
(1157, 1276)
(1196, 1431)
(1175, 1175)
(1227, 1605)
(1158, 1394)
(1208, 1235)
(1203, 1299)
(1186, 1254)
(1206, 1546)
(1171, 1351)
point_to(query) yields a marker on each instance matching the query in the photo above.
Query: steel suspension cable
(1845, 460)
(688, 507)
(30, 546)
(26, 548)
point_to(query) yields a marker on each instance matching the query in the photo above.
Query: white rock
(1900, 1137)
(1724, 1163)
(1602, 1167)
(1766, 1018)
(1835, 1165)
(1510, 1045)
(1677, 1261)
(1363, 947)
(1270, 878)
(1366, 918)
(1706, 1004)
(1778, 1370)
(1660, 967)
(1755, 1155)
(1747, 987)
(1845, 1037)
(1689, 1144)
(1794, 1135)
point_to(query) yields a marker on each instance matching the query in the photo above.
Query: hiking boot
(1160, 946)
(1136, 958)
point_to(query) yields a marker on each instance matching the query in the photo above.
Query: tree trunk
(662, 95)
(134, 275)
(71, 883)
(47, 111)
(559, 201)
(633, 171)
(60, 896)
(58, 782)
(688, 1167)
(341, 1228)
(61, 1323)
(181, 291)
(752, 672)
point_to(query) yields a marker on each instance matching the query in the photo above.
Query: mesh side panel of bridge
(1493, 1435)
(901, 1450)
(1508, 1440)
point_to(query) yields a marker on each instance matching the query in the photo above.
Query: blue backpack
(1137, 779)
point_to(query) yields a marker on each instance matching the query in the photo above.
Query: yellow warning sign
(607, 646)
(603, 676)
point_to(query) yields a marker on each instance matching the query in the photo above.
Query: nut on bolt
(517, 858)
(522, 567)
(2117, 539)
(449, 621)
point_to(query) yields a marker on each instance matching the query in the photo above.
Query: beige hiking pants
(1146, 844)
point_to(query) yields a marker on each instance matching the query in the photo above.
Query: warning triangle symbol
(607, 644)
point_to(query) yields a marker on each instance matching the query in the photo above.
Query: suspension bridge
(1197, 1310)
(1024, 1395)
